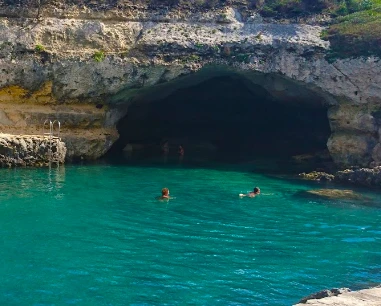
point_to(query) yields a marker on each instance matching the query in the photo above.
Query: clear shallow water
(95, 235)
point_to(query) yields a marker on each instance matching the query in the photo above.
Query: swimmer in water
(165, 148)
(181, 151)
(251, 194)
(164, 194)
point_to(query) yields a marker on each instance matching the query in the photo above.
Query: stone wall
(30, 150)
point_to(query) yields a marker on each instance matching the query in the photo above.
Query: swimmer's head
(257, 190)
(165, 191)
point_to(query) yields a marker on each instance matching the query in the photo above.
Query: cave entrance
(225, 118)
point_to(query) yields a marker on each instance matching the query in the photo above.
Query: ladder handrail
(51, 134)
(43, 127)
(59, 128)
(51, 128)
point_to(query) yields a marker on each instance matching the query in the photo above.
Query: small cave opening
(224, 118)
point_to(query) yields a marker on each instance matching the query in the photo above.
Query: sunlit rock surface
(366, 297)
(30, 150)
(362, 176)
(49, 69)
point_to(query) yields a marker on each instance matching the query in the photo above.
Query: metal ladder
(50, 134)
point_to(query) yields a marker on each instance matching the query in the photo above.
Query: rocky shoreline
(344, 297)
(369, 177)
(39, 150)
(30, 150)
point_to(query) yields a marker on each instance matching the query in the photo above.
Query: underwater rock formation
(335, 194)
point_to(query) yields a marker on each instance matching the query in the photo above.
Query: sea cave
(227, 117)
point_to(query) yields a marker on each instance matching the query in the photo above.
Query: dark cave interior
(225, 118)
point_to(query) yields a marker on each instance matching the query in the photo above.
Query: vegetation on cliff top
(267, 8)
(355, 30)
(356, 34)
(356, 27)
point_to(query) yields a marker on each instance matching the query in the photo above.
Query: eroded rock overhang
(145, 58)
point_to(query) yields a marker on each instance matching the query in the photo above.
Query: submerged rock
(336, 194)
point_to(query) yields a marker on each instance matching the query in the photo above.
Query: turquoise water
(95, 235)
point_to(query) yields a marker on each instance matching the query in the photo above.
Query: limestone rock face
(325, 293)
(344, 297)
(86, 67)
(317, 176)
(83, 127)
(351, 149)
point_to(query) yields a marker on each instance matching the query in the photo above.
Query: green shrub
(295, 8)
(191, 58)
(39, 48)
(324, 35)
(216, 49)
(99, 56)
(243, 58)
(357, 34)
(268, 12)
(283, 8)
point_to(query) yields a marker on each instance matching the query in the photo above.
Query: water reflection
(56, 180)
(23, 182)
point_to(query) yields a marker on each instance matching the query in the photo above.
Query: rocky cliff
(86, 67)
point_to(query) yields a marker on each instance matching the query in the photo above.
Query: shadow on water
(175, 161)
(272, 166)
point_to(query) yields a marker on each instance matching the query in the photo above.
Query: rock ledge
(344, 297)
(30, 150)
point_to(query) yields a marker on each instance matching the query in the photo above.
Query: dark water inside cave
(223, 119)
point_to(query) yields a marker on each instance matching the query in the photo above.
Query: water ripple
(93, 235)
